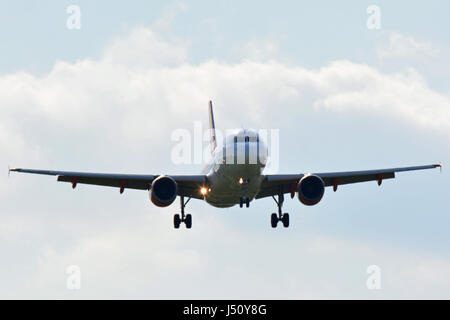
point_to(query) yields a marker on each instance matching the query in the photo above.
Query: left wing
(188, 185)
(286, 183)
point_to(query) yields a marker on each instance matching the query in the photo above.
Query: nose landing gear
(283, 217)
(244, 199)
(187, 219)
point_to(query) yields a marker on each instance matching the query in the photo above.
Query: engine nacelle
(163, 191)
(310, 190)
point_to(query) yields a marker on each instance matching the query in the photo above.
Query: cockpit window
(242, 138)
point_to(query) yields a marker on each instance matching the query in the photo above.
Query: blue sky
(108, 96)
(311, 35)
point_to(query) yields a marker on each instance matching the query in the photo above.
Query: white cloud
(405, 96)
(140, 77)
(142, 48)
(141, 258)
(402, 46)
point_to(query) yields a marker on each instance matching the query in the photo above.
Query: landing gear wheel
(247, 202)
(285, 220)
(176, 221)
(241, 202)
(274, 220)
(188, 221)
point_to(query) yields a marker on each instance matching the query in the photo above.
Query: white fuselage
(236, 168)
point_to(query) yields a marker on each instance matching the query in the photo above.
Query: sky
(108, 96)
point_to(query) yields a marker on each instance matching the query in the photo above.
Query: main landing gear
(187, 219)
(283, 217)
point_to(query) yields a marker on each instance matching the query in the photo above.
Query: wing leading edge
(188, 185)
(286, 183)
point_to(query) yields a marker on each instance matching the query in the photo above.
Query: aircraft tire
(273, 220)
(176, 221)
(285, 220)
(188, 221)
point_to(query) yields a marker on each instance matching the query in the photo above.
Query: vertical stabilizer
(212, 127)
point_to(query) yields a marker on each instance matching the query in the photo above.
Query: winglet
(12, 169)
(440, 166)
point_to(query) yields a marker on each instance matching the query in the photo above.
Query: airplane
(234, 176)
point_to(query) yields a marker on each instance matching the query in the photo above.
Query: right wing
(286, 183)
(188, 185)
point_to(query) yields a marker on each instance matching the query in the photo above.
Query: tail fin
(212, 127)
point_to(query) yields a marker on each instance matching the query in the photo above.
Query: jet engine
(163, 191)
(310, 190)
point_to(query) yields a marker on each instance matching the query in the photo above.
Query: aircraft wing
(287, 183)
(188, 185)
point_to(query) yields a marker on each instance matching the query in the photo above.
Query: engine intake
(310, 190)
(163, 191)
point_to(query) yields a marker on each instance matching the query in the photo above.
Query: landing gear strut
(187, 219)
(244, 200)
(283, 217)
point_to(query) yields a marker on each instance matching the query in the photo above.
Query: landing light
(241, 180)
(203, 191)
